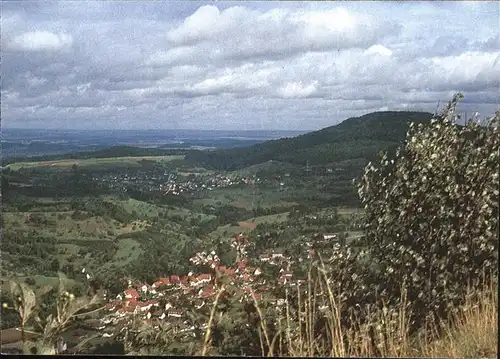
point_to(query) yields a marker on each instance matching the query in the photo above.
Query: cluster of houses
(204, 183)
(170, 298)
(240, 243)
(169, 183)
(178, 188)
(274, 258)
(142, 180)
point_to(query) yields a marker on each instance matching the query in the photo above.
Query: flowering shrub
(432, 212)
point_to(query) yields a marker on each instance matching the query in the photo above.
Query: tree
(30, 281)
(69, 269)
(55, 265)
(432, 211)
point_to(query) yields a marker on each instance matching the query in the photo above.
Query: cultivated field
(347, 211)
(94, 162)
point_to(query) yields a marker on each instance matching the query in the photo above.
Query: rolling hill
(355, 138)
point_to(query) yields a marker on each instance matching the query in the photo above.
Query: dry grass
(472, 334)
(208, 332)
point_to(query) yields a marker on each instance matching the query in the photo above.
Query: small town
(170, 183)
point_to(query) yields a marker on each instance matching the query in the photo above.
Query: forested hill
(354, 138)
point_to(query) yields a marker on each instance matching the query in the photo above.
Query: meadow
(94, 162)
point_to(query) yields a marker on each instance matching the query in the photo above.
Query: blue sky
(241, 65)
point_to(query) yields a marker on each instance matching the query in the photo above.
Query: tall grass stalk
(208, 332)
(473, 333)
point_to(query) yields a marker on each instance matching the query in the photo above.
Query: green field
(272, 218)
(165, 213)
(246, 226)
(185, 171)
(62, 226)
(128, 251)
(266, 167)
(245, 197)
(94, 162)
(142, 209)
(42, 281)
(346, 211)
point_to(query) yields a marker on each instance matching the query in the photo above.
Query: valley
(116, 215)
(173, 231)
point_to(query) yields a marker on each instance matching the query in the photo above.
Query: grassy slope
(128, 251)
(72, 235)
(246, 195)
(231, 230)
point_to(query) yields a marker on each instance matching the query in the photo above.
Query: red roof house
(131, 293)
(161, 281)
(206, 291)
(126, 310)
(132, 302)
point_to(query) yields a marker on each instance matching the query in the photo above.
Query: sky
(241, 65)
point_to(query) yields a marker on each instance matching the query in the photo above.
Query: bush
(30, 281)
(432, 212)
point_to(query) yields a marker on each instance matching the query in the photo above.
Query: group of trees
(32, 251)
(161, 254)
(99, 208)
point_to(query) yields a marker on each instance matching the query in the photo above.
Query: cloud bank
(246, 65)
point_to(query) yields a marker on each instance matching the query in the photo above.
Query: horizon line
(148, 129)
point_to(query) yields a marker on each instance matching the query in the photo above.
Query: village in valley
(178, 181)
(169, 300)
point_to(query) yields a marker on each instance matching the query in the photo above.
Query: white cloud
(239, 32)
(176, 55)
(297, 90)
(378, 50)
(335, 20)
(204, 23)
(34, 81)
(41, 41)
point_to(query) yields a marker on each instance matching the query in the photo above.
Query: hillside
(354, 138)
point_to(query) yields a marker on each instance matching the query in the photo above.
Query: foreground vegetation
(413, 274)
